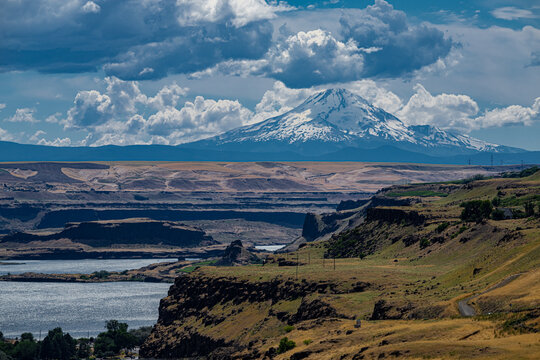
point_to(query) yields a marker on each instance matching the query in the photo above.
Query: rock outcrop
(349, 214)
(235, 255)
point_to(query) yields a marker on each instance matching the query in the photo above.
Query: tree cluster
(476, 210)
(58, 345)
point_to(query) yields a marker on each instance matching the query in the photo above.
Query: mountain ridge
(336, 118)
(332, 125)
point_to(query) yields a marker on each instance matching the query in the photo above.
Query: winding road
(467, 310)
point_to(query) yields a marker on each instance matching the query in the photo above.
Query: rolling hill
(412, 278)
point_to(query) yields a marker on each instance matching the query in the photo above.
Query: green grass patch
(192, 268)
(519, 201)
(421, 193)
(288, 328)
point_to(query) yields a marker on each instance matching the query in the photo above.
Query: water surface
(85, 266)
(79, 308)
(269, 247)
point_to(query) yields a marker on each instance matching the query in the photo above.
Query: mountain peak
(337, 97)
(337, 118)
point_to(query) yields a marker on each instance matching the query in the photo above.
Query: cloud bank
(138, 40)
(373, 42)
(123, 115)
(132, 39)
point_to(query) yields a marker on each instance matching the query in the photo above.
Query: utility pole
(334, 262)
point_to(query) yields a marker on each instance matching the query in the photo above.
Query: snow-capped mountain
(335, 119)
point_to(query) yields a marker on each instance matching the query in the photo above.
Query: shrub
(522, 173)
(285, 345)
(460, 231)
(307, 341)
(476, 210)
(102, 274)
(496, 201)
(288, 328)
(520, 323)
(529, 208)
(517, 214)
(442, 227)
(424, 243)
(497, 214)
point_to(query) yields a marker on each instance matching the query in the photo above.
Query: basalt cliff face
(223, 317)
(125, 232)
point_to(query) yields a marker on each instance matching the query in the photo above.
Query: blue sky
(79, 72)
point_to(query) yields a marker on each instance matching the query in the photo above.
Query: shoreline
(161, 272)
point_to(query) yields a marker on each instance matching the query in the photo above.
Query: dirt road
(466, 310)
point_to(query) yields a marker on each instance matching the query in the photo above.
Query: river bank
(164, 271)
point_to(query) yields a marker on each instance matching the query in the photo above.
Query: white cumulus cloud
(56, 142)
(91, 108)
(124, 115)
(447, 111)
(238, 12)
(5, 135)
(91, 7)
(198, 119)
(23, 115)
(511, 115)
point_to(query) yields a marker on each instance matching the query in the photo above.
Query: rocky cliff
(223, 317)
(128, 232)
(349, 215)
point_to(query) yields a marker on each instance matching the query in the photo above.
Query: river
(78, 308)
(85, 266)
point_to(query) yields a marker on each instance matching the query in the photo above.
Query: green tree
(58, 346)
(141, 334)
(285, 345)
(27, 336)
(3, 356)
(497, 214)
(476, 210)
(26, 350)
(116, 338)
(6, 348)
(529, 208)
(83, 348)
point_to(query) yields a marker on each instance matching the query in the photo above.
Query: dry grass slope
(410, 278)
